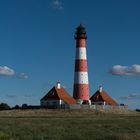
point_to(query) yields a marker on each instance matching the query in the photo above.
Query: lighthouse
(81, 84)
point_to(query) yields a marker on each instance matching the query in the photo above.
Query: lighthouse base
(85, 102)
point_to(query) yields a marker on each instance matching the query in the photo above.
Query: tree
(4, 106)
(16, 107)
(24, 106)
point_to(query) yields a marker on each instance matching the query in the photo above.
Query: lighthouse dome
(80, 32)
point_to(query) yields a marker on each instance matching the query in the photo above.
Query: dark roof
(103, 96)
(80, 32)
(57, 94)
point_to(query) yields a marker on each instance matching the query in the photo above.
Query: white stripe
(81, 53)
(81, 78)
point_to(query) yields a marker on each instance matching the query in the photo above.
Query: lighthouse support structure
(81, 84)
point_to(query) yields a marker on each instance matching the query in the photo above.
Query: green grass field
(68, 125)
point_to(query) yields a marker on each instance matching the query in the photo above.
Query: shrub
(24, 106)
(16, 107)
(4, 106)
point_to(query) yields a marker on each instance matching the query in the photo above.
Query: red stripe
(81, 66)
(80, 43)
(81, 91)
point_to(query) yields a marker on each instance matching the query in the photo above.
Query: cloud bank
(57, 4)
(6, 71)
(19, 96)
(133, 70)
(131, 96)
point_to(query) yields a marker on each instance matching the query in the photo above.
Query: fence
(96, 107)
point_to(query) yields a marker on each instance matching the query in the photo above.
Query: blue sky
(38, 47)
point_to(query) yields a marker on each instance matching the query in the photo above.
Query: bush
(16, 107)
(138, 110)
(4, 106)
(24, 106)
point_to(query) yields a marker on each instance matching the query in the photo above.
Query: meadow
(69, 125)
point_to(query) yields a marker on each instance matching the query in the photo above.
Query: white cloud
(6, 71)
(131, 96)
(57, 4)
(22, 76)
(125, 70)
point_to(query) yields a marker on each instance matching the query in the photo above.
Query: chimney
(100, 89)
(58, 85)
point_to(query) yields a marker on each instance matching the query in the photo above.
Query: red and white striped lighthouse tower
(81, 85)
